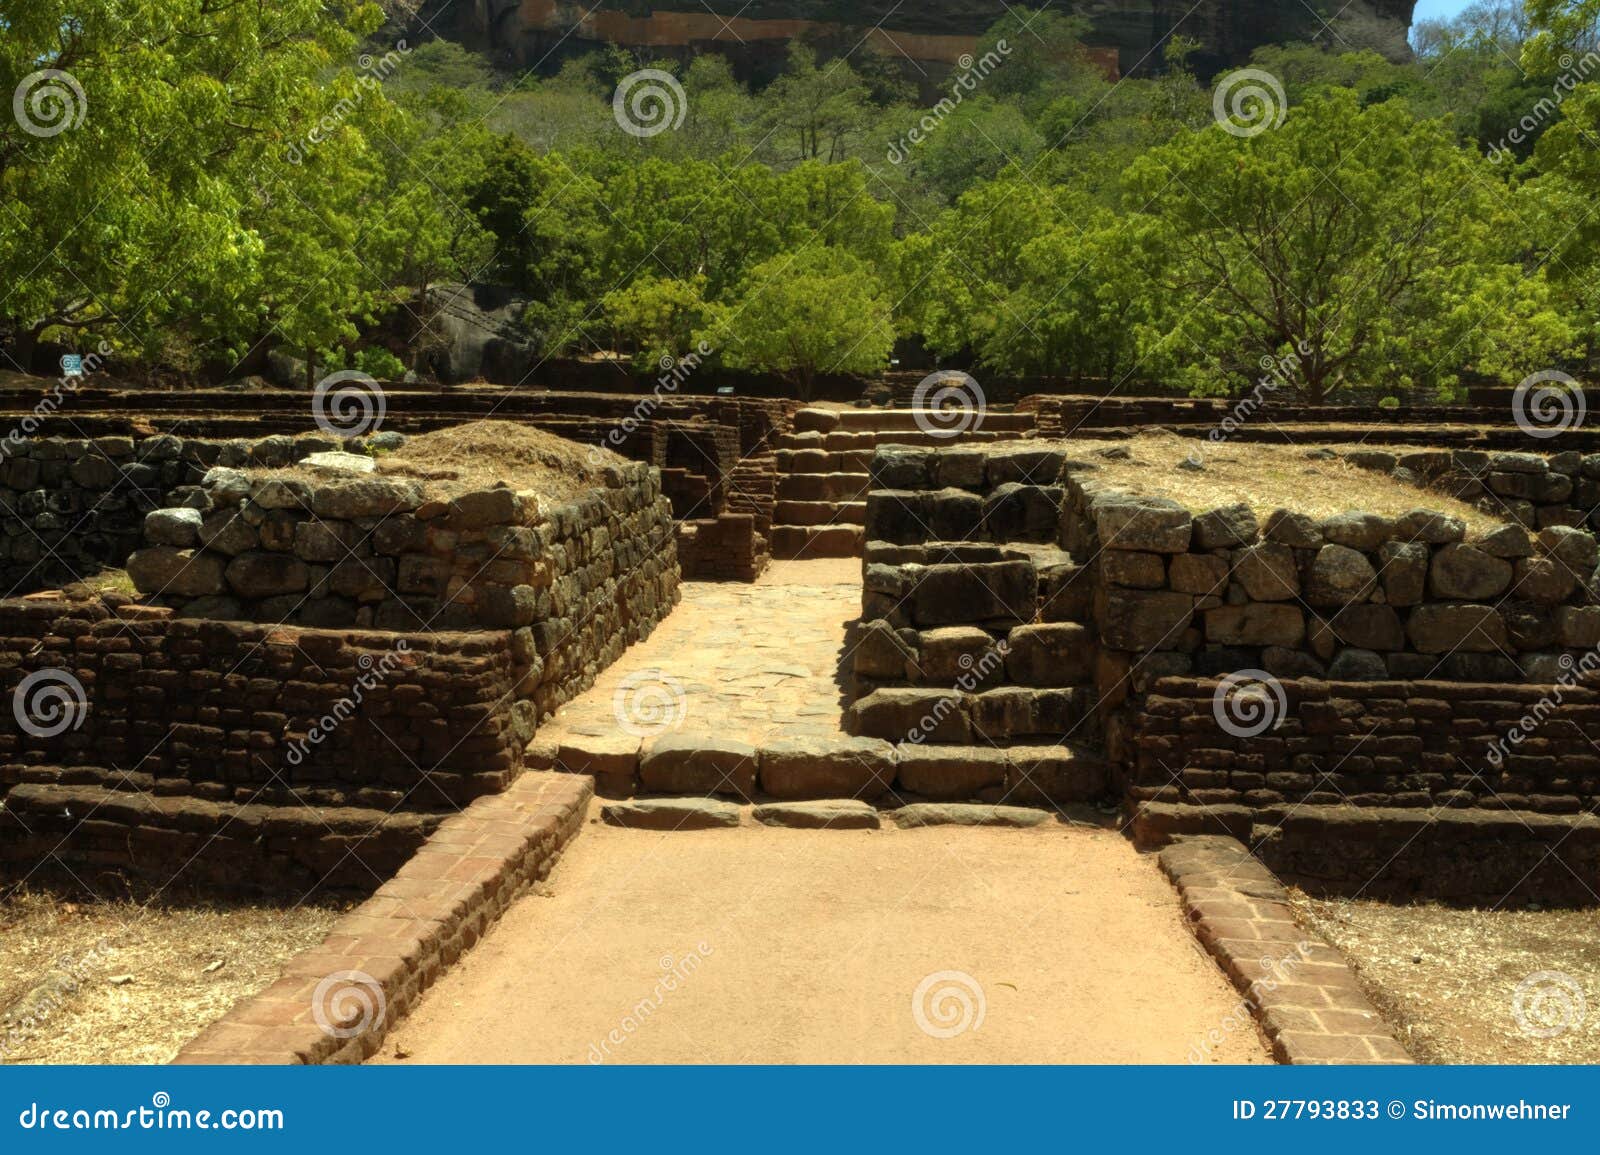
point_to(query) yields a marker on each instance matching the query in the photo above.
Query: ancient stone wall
(1403, 789)
(1535, 489)
(1350, 597)
(244, 756)
(70, 507)
(369, 551)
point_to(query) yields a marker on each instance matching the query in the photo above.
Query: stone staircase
(823, 470)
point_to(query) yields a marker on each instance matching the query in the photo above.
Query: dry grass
(485, 454)
(1266, 477)
(118, 982)
(1448, 979)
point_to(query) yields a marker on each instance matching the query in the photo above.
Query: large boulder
(1267, 572)
(1256, 624)
(1338, 576)
(1440, 627)
(364, 497)
(1225, 528)
(1464, 573)
(164, 571)
(1154, 524)
(175, 527)
(1137, 620)
(265, 575)
(698, 764)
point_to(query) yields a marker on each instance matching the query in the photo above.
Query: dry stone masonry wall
(1534, 489)
(74, 506)
(1350, 597)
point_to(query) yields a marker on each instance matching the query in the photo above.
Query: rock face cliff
(537, 33)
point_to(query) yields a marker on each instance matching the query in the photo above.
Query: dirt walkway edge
(1300, 989)
(337, 1002)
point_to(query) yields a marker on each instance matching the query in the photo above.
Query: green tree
(656, 318)
(818, 310)
(134, 184)
(1353, 245)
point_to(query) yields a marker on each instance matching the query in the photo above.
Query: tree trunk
(311, 367)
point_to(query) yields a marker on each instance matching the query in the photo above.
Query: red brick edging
(336, 1002)
(1294, 983)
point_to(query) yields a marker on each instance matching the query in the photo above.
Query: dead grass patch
(1452, 981)
(486, 454)
(121, 982)
(1268, 477)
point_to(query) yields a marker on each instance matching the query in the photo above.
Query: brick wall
(239, 712)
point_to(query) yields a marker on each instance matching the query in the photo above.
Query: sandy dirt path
(1054, 945)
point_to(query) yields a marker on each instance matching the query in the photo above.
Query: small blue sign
(71, 365)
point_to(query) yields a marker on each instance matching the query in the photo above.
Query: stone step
(820, 513)
(912, 713)
(840, 441)
(824, 486)
(823, 461)
(288, 848)
(817, 767)
(917, 420)
(803, 542)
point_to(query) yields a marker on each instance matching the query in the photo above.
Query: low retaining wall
(1388, 789)
(375, 552)
(1535, 489)
(1351, 597)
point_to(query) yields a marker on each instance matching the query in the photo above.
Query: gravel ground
(119, 982)
(1474, 986)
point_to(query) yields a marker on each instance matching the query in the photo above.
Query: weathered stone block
(698, 764)
(1051, 654)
